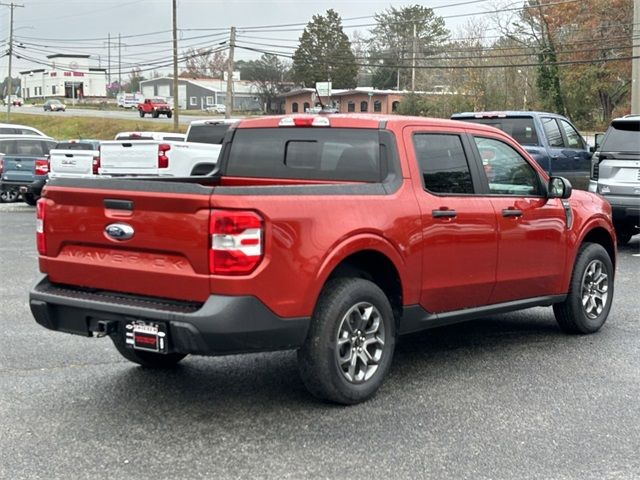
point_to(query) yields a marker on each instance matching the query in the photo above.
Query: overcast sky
(82, 26)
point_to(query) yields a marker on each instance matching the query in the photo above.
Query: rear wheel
(590, 292)
(30, 199)
(350, 344)
(146, 359)
(7, 196)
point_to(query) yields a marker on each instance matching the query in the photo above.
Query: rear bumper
(221, 325)
(625, 207)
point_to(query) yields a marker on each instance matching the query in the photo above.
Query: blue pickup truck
(24, 165)
(549, 138)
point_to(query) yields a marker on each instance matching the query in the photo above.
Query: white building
(69, 76)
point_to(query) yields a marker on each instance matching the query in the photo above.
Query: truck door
(570, 157)
(459, 238)
(532, 229)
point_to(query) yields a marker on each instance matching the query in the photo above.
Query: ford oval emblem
(119, 231)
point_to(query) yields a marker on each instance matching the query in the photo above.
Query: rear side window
(552, 131)
(209, 133)
(521, 129)
(8, 131)
(307, 153)
(443, 163)
(622, 136)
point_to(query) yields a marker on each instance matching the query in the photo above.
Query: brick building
(356, 100)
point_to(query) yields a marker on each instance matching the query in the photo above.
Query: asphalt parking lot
(505, 397)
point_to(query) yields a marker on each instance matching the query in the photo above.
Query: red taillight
(40, 239)
(236, 242)
(163, 160)
(95, 165)
(42, 166)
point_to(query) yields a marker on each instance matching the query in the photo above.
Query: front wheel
(30, 199)
(146, 359)
(168, 114)
(590, 292)
(350, 344)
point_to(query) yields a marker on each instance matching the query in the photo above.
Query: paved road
(507, 397)
(126, 114)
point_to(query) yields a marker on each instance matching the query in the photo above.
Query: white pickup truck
(137, 156)
(75, 158)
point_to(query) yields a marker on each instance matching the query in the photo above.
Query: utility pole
(9, 78)
(228, 103)
(109, 59)
(413, 61)
(119, 64)
(635, 62)
(175, 68)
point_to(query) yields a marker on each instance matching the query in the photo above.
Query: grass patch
(63, 127)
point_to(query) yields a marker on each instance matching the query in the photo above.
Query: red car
(330, 234)
(154, 107)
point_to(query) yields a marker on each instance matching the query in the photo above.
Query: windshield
(623, 136)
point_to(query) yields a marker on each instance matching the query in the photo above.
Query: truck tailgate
(73, 163)
(19, 169)
(139, 157)
(167, 256)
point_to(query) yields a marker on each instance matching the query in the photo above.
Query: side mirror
(559, 187)
(598, 141)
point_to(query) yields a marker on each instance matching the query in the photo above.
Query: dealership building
(68, 76)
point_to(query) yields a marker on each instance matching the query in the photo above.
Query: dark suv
(615, 174)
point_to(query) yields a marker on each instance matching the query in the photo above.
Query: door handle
(443, 212)
(511, 212)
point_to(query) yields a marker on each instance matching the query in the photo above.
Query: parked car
(14, 99)
(25, 165)
(155, 107)
(12, 129)
(327, 234)
(549, 138)
(54, 105)
(615, 174)
(216, 108)
(155, 154)
(74, 158)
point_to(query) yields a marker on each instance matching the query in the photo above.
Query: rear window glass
(521, 129)
(75, 146)
(28, 148)
(209, 133)
(307, 153)
(623, 137)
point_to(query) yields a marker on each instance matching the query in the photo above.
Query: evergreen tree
(325, 54)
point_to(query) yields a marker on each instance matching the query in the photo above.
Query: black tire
(30, 199)
(319, 357)
(155, 114)
(168, 114)
(623, 237)
(146, 359)
(141, 113)
(574, 317)
(8, 196)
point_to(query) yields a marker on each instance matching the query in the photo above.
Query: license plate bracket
(146, 336)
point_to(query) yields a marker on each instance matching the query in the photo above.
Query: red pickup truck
(330, 234)
(154, 107)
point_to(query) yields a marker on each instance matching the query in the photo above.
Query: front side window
(574, 140)
(508, 173)
(443, 163)
(552, 131)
